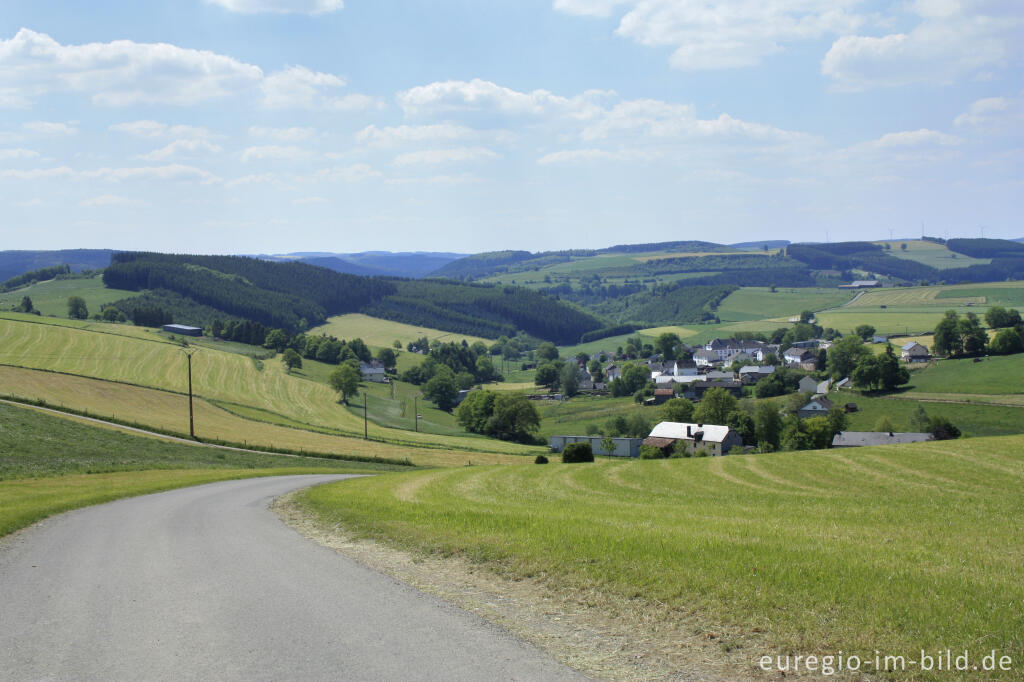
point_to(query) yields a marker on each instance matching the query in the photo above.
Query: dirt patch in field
(604, 637)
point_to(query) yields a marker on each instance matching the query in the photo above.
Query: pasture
(758, 303)
(217, 376)
(932, 254)
(51, 297)
(166, 411)
(810, 552)
(994, 375)
(383, 333)
(974, 420)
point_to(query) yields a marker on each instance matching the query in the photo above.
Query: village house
(716, 440)
(804, 358)
(705, 358)
(373, 371)
(751, 374)
(914, 352)
(612, 372)
(696, 389)
(808, 385)
(856, 439)
(818, 406)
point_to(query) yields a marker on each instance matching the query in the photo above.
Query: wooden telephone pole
(189, 352)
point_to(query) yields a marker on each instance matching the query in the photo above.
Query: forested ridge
(294, 296)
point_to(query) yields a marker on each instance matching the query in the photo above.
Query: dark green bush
(541, 459)
(577, 452)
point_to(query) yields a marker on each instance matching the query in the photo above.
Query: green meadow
(51, 464)
(894, 548)
(51, 297)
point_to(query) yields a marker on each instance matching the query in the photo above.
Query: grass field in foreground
(895, 548)
(383, 333)
(51, 297)
(169, 412)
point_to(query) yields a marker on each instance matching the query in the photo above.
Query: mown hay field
(216, 376)
(383, 333)
(932, 254)
(895, 549)
(169, 412)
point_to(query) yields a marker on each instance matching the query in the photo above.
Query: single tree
(677, 410)
(890, 373)
(767, 426)
(864, 331)
(345, 379)
(547, 375)
(514, 418)
(715, 406)
(742, 423)
(442, 388)
(1006, 342)
(667, 344)
(291, 359)
(973, 337)
(837, 419)
(26, 306)
(947, 340)
(569, 379)
(77, 309)
(276, 339)
(386, 357)
(546, 351)
(919, 420)
(867, 374)
(844, 355)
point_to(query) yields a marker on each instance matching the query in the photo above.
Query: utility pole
(365, 434)
(416, 411)
(191, 415)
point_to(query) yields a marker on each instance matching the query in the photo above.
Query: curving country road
(206, 583)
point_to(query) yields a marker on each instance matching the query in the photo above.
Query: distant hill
(412, 264)
(295, 296)
(14, 263)
(758, 246)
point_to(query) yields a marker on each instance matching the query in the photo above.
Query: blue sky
(267, 126)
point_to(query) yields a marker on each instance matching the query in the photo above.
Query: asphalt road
(206, 583)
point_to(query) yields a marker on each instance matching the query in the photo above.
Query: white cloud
(171, 172)
(392, 136)
(952, 40)
(280, 6)
(127, 73)
(183, 147)
(994, 114)
(152, 129)
(110, 200)
(590, 155)
(294, 134)
(121, 72)
(275, 152)
(18, 154)
(654, 119)
(299, 87)
(50, 128)
(354, 173)
(916, 138)
(308, 201)
(439, 156)
(37, 173)
(721, 34)
(481, 95)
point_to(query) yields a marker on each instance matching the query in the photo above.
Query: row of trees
(502, 415)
